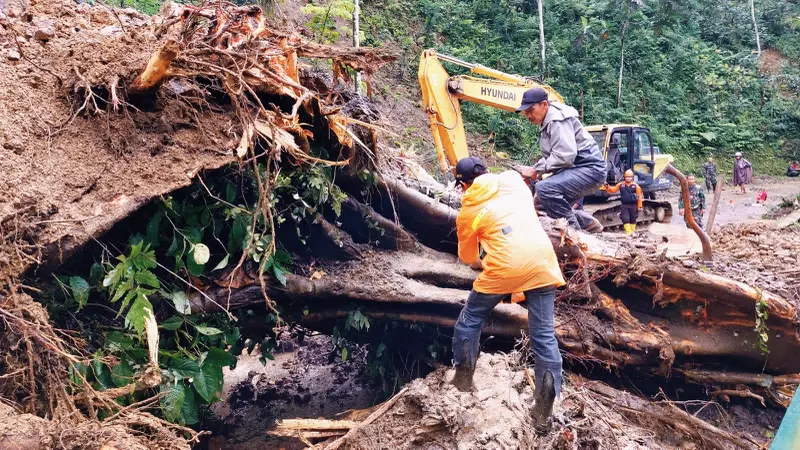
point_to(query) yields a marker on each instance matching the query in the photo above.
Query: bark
(621, 63)
(755, 26)
(713, 213)
(541, 38)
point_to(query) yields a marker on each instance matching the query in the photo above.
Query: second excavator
(624, 146)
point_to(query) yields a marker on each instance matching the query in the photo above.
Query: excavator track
(608, 213)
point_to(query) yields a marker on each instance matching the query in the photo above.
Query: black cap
(469, 168)
(531, 97)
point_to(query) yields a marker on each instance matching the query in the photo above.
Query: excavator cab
(630, 147)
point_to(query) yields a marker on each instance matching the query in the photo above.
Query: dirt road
(734, 207)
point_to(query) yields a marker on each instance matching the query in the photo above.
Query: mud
(306, 382)
(434, 415)
(84, 172)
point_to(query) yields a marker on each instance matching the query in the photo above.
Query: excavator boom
(441, 94)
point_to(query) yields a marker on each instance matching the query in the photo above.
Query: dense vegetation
(690, 72)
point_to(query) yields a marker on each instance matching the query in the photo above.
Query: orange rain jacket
(497, 214)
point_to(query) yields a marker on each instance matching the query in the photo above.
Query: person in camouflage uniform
(697, 202)
(710, 174)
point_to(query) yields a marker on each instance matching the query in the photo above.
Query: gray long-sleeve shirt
(564, 142)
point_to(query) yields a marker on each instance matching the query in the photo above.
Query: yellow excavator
(624, 146)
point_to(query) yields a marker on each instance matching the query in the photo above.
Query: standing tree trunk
(356, 39)
(755, 26)
(621, 63)
(541, 38)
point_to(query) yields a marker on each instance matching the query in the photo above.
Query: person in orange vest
(498, 228)
(631, 196)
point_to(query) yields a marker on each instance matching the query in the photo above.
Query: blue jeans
(557, 193)
(541, 321)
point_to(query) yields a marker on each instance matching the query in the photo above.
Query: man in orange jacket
(497, 216)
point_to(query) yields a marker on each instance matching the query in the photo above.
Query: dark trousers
(557, 193)
(711, 185)
(541, 323)
(629, 213)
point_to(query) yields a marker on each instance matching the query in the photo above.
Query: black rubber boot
(462, 380)
(543, 406)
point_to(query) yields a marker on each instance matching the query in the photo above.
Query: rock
(110, 30)
(21, 40)
(690, 263)
(13, 55)
(45, 29)
(13, 8)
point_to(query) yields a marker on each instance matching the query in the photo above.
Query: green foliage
(323, 19)
(132, 280)
(689, 73)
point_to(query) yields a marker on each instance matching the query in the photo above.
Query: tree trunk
(621, 64)
(357, 39)
(541, 38)
(755, 26)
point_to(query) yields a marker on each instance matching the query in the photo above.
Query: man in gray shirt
(569, 155)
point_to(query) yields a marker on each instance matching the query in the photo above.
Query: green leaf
(96, 273)
(344, 353)
(233, 337)
(76, 370)
(201, 254)
(180, 302)
(116, 341)
(173, 323)
(128, 298)
(184, 367)
(208, 331)
(238, 234)
(222, 264)
(189, 410)
(280, 274)
(218, 357)
(147, 278)
(122, 374)
(208, 382)
(101, 372)
(122, 289)
(172, 399)
(194, 268)
(230, 192)
(111, 278)
(151, 235)
(80, 290)
(140, 309)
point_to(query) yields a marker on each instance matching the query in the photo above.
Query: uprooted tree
(303, 212)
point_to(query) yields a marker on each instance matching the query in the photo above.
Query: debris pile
(760, 254)
(430, 413)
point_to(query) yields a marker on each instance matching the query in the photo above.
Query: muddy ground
(306, 381)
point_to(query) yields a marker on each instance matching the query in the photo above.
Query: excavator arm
(441, 94)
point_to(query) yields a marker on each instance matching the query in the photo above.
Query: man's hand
(680, 211)
(526, 171)
(640, 208)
